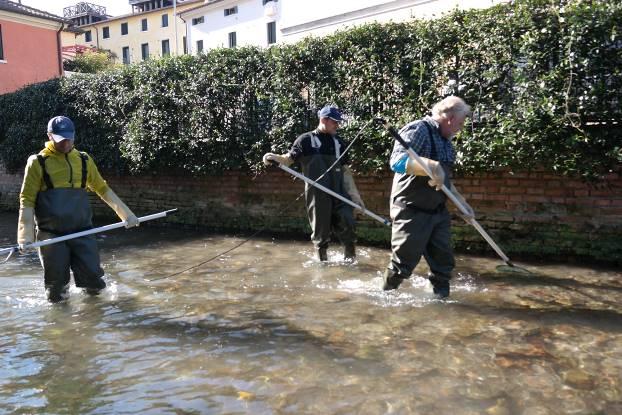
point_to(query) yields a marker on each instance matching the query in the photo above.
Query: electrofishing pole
(14, 248)
(356, 137)
(470, 220)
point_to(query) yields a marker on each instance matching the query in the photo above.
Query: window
(1, 47)
(199, 46)
(230, 11)
(106, 32)
(232, 40)
(198, 20)
(185, 46)
(271, 33)
(123, 29)
(144, 25)
(165, 20)
(126, 55)
(166, 49)
(144, 50)
(88, 37)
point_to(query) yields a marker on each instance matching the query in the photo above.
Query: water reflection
(268, 330)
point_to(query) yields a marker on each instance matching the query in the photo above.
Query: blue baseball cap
(331, 112)
(61, 128)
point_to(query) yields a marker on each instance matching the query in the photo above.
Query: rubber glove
(284, 159)
(25, 229)
(438, 174)
(470, 215)
(350, 187)
(120, 208)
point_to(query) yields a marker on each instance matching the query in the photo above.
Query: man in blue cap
(54, 197)
(316, 151)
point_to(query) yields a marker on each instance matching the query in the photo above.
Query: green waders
(60, 212)
(327, 214)
(421, 227)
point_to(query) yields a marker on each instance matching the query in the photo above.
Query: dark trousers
(328, 215)
(415, 233)
(80, 255)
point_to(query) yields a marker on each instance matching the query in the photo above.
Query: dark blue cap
(331, 112)
(61, 128)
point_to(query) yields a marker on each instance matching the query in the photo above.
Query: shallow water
(266, 329)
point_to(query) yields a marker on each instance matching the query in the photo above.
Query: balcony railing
(83, 8)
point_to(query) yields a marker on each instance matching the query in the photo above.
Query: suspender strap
(433, 152)
(46, 176)
(84, 158)
(337, 147)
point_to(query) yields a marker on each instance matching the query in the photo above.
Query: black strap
(84, 158)
(433, 152)
(46, 176)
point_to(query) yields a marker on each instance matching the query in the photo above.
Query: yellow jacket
(65, 171)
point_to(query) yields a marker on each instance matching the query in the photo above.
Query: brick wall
(535, 214)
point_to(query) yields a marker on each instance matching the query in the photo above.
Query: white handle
(88, 232)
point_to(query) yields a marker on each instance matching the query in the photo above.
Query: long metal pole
(87, 232)
(413, 155)
(337, 195)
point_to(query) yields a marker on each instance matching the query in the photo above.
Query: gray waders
(60, 212)
(327, 214)
(421, 227)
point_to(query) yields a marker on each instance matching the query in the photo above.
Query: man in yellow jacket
(54, 196)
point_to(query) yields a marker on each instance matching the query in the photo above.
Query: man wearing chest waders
(316, 151)
(54, 196)
(421, 222)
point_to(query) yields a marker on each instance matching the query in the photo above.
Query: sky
(113, 7)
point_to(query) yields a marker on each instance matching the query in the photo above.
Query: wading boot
(92, 291)
(56, 294)
(322, 255)
(392, 280)
(349, 252)
(440, 286)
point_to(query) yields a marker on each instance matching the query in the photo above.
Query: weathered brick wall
(533, 214)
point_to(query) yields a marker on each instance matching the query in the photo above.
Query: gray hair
(451, 105)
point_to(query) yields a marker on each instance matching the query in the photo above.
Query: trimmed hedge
(544, 81)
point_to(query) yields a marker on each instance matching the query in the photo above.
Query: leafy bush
(91, 62)
(543, 78)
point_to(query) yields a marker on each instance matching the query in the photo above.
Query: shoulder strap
(433, 153)
(46, 176)
(337, 147)
(84, 158)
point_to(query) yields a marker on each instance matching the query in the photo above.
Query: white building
(323, 17)
(231, 23)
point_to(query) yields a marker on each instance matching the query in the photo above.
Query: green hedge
(544, 81)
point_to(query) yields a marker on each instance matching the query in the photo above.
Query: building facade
(323, 17)
(151, 31)
(231, 23)
(30, 46)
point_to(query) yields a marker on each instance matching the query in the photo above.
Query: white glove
(470, 215)
(270, 158)
(120, 208)
(350, 187)
(25, 229)
(438, 174)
